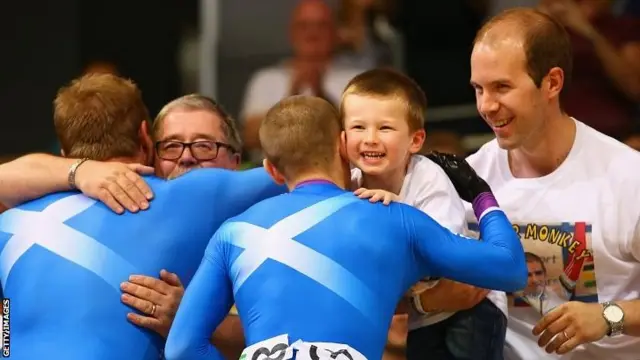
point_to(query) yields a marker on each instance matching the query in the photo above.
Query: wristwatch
(614, 315)
(71, 177)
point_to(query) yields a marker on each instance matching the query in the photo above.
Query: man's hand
(570, 325)
(117, 185)
(159, 299)
(377, 195)
(449, 295)
(467, 183)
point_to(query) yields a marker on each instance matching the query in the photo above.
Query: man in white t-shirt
(310, 71)
(571, 193)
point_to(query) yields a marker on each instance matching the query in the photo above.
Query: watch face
(613, 314)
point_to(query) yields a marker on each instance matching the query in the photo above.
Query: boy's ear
(417, 141)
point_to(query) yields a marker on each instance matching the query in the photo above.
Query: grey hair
(200, 102)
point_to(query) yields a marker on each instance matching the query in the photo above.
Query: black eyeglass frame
(215, 145)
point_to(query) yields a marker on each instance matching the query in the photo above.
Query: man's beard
(181, 170)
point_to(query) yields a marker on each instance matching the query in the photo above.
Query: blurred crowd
(430, 42)
(331, 41)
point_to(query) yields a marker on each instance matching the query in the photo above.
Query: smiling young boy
(383, 116)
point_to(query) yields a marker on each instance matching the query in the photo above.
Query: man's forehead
(505, 58)
(188, 125)
(312, 10)
(501, 40)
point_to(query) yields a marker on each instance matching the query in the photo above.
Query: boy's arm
(117, 185)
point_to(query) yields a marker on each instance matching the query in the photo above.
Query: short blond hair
(390, 84)
(98, 116)
(195, 102)
(300, 133)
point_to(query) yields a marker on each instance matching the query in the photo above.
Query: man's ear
(237, 159)
(277, 177)
(342, 146)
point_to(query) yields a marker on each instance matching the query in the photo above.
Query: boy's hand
(376, 195)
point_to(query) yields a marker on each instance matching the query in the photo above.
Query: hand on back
(376, 195)
(157, 300)
(118, 185)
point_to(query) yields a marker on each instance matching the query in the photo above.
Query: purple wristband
(482, 202)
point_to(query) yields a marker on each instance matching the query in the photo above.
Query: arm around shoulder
(237, 190)
(496, 263)
(32, 176)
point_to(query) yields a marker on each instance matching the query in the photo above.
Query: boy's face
(378, 139)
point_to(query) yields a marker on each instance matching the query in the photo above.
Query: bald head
(543, 40)
(313, 30)
(512, 24)
(308, 8)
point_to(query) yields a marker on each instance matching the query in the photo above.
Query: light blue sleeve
(496, 262)
(233, 192)
(245, 188)
(205, 304)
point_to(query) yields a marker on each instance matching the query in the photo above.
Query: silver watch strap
(615, 328)
(71, 178)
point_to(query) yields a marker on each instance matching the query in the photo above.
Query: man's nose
(487, 104)
(187, 158)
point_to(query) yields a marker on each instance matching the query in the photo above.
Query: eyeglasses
(203, 150)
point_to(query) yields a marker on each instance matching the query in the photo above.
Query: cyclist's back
(64, 256)
(322, 266)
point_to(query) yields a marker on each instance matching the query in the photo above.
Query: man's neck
(317, 175)
(544, 154)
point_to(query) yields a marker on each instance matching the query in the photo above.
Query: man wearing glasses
(191, 132)
(194, 132)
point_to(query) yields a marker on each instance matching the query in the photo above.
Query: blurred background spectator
(605, 87)
(365, 36)
(311, 70)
